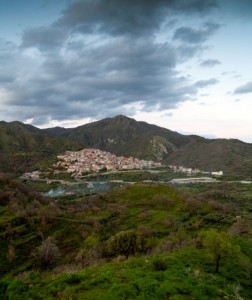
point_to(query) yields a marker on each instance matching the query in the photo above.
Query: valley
(125, 150)
(97, 223)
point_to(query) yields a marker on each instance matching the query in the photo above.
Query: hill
(125, 136)
(139, 242)
(232, 156)
(22, 146)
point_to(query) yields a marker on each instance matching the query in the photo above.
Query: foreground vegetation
(140, 242)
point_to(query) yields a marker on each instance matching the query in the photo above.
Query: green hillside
(139, 242)
(232, 156)
(125, 136)
(22, 146)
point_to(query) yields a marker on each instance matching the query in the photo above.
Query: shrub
(214, 205)
(164, 246)
(47, 253)
(11, 254)
(159, 264)
(168, 221)
(68, 268)
(218, 218)
(163, 200)
(229, 208)
(126, 243)
(89, 252)
(193, 205)
(240, 227)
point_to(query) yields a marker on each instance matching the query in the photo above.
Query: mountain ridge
(122, 135)
(125, 136)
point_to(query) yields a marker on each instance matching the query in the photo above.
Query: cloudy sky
(182, 64)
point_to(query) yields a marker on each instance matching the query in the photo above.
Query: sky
(185, 65)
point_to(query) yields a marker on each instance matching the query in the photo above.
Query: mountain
(125, 136)
(22, 146)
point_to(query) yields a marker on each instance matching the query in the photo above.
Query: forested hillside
(139, 242)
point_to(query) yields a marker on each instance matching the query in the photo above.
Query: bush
(217, 218)
(163, 200)
(47, 253)
(240, 227)
(193, 205)
(16, 289)
(164, 246)
(126, 243)
(3, 286)
(89, 253)
(159, 264)
(68, 268)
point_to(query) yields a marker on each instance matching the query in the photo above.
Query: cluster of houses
(94, 160)
(32, 175)
(191, 171)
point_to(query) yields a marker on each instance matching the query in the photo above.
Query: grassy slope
(161, 213)
(187, 276)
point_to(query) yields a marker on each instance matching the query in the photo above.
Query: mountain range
(125, 136)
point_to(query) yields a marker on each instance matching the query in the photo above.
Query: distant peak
(16, 123)
(122, 118)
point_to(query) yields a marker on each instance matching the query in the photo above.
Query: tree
(88, 252)
(219, 247)
(47, 253)
(125, 243)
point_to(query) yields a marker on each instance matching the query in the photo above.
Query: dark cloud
(119, 17)
(44, 38)
(195, 36)
(137, 18)
(114, 17)
(121, 66)
(199, 6)
(244, 89)
(185, 52)
(88, 81)
(6, 78)
(205, 83)
(102, 57)
(210, 63)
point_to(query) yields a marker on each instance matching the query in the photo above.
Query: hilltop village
(94, 160)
